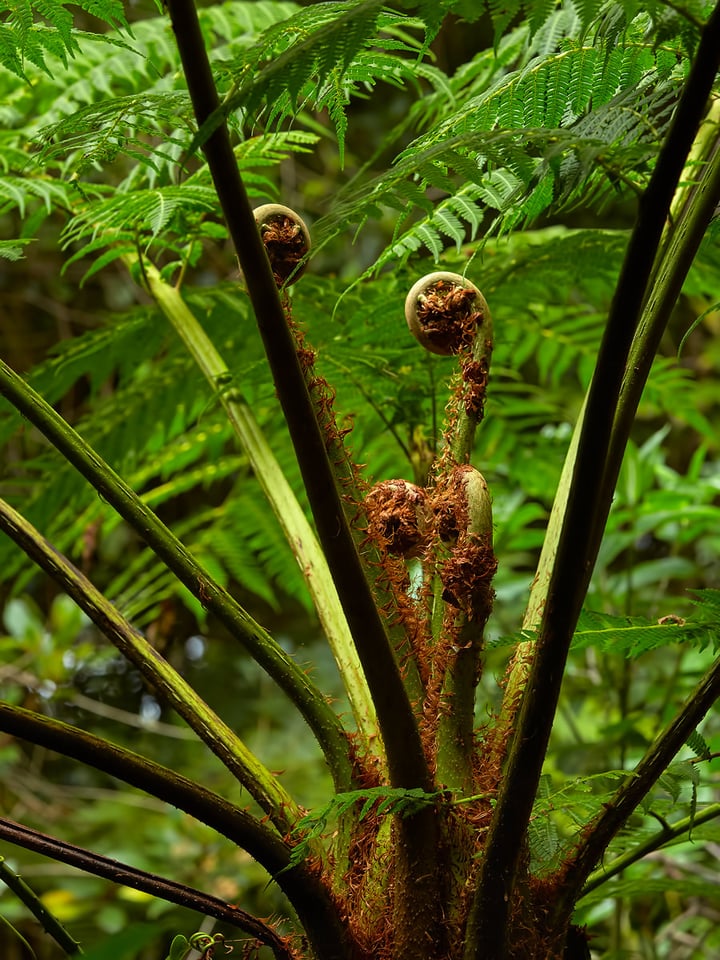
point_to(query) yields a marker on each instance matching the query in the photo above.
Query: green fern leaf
(636, 635)
(13, 249)
(380, 800)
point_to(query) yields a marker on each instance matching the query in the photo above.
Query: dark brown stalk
(406, 760)
(150, 883)
(301, 886)
(587, 507)
(407, 765)
(685, 238)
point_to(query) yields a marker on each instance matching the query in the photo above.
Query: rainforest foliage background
(511, 144)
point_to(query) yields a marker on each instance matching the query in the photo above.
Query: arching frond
(34, 30)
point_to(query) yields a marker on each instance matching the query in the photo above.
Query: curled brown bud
(461, 505)
(443, 311)
(396, 517)
(286, 239)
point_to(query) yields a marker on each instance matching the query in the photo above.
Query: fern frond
(610, 21)
(699, 746)
(21, 191)
(639, 884)
(141, 212)
(13, 249)
(318, 57)
(636, 635)
(139, 125)
(23, 38)
(380, 801)
(524, 145)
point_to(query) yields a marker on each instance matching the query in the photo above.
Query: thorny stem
(406, 761)
(223, 742)
(455, 741)
(50, 924)
(474, 372)
(283, 501)
(149, 883)
(585, 512)
(301, 886)
(268, 654)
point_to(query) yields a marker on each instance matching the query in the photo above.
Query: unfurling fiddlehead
(286, 239)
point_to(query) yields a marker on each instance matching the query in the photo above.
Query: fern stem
(658, 840)
(696, 207)
(156, 886)
(455, 734)
(488, 920)
(406, 761)
(279, 494)
(268, 654)
(417, 907)
(50, 923)
(302, 887)
(598, 834)
(462, 438)
(223, 742)
(245, 830)
(693, 208)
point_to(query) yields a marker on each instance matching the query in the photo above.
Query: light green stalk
(691, 209)
(309, 700)
(50, 923)
(172, 688)
(280, 496)
(668, 832)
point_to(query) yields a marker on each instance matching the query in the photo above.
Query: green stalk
(303, 888)
(407, 765)
(280, 496)
(171, 687)
(260, 840)
(668, 832)
(595, 838)
(268, 654)
(587, 507)
(50, 924)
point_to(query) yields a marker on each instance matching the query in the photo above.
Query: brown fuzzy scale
(395, 510)
(447, 317)
(466, 577)
(449, 505)
(474, 374)
(285, 245)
